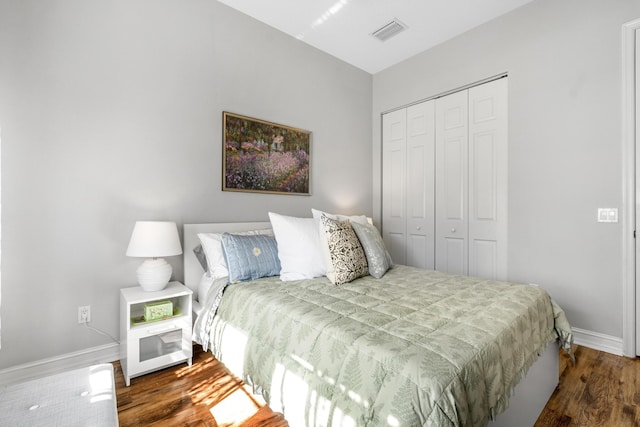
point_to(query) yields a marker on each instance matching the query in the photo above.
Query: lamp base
(154, 274)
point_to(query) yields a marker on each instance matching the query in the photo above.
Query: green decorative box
(158, 310)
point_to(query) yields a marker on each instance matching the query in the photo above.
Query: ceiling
(343, 28)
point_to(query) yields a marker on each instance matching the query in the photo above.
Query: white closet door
(637, 188)
(420, 196)
(452, 183)
(394, 156)
(488, 176)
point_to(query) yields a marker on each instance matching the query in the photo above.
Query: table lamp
(154, 240)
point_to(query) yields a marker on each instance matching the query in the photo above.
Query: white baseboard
(92, 356)
(598, 341)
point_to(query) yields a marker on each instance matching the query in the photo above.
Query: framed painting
(264, 157)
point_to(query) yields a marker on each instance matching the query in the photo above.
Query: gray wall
(565, 151)
(111, 112)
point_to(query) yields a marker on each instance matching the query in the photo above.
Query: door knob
(453, 230)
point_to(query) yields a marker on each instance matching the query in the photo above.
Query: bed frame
(529, 397)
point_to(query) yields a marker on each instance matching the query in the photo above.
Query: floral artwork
(261, 156)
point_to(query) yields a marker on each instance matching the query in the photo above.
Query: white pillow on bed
(212, 247)
(299, 248)
(362, 219)
(203, 287)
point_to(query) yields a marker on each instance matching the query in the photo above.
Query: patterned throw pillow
(250, 257)
(378, 258)
(345, 257)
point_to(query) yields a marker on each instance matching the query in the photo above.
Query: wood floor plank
(631, 381)
(573, 382)
(550, 418)
(599, 390)
(185, 396)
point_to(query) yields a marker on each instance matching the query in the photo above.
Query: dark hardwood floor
(600, 390)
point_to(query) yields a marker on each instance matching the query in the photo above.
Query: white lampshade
(154, 239)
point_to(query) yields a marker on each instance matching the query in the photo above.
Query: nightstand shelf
(139, 320)
(146, 346)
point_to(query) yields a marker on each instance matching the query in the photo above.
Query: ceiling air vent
(389, 30)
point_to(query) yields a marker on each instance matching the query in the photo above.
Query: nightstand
(147, 346)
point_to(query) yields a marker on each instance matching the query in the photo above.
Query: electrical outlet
(84, 314)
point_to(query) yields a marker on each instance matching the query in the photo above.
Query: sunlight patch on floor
(236, 408)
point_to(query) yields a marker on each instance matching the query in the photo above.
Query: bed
(414, 347)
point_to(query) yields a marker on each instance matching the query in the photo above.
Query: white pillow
(361, 219)
(299, 248)
(203, 287)
(212, 247)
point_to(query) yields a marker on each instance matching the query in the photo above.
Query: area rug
(82, 397)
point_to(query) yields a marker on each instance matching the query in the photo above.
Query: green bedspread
(415, 348)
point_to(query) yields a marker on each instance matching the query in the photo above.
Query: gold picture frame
(264, 157)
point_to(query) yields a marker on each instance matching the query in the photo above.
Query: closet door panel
(456, 255)
(483, 181)
(396, 174)
(396, 245)
(394, 156)
(418, 252)
(484, 263)
(420, 185)
(488, 154)
(451, 183)
(454, 179)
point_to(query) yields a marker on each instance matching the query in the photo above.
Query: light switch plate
(607, 214)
